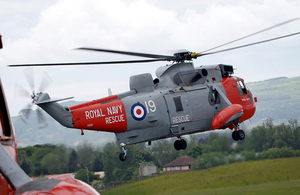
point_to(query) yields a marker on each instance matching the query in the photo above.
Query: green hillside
(277, 176)
(278, 98)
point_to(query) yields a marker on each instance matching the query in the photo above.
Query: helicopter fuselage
(181, 100)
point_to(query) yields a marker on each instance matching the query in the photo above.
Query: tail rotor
(22, 92)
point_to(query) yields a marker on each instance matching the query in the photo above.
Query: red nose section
(227, 115)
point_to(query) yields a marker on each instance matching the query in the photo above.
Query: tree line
(213, 149)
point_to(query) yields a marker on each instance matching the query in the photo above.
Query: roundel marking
(138, 111)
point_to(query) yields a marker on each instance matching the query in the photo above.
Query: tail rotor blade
(41, 119)
(46, 81)
(25, 113)
(21, 92)
(30, 77)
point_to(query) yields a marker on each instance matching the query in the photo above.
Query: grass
(284, 187)
(276, 176)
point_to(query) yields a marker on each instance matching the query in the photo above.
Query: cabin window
(178, 104)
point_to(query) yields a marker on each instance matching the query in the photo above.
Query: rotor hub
(35, 97)
(182, 55)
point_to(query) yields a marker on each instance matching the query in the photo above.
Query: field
(276, 176)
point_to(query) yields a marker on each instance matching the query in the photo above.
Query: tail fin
(61, 114)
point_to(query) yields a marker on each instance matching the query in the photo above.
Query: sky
(50, 31)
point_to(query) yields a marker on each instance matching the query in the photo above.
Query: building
(147, 170)
(179, 165)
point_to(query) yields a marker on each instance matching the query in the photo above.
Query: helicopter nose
(253, 99)
(249, 109)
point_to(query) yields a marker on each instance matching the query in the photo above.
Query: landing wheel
(235, 135)
(180, 144)
(177, 145)
(183, 144)
(122, 156)
(241, 134)
(238, 135)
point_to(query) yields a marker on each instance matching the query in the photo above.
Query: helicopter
(182, 100)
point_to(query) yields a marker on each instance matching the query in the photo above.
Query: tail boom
(106, 114)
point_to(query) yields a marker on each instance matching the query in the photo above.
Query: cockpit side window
(242, 88)
(178, 104)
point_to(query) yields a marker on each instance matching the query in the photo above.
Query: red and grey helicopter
(182, 100)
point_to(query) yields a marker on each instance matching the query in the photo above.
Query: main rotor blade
(146, 55)
(247, 45)
(89, 63)
(269, 28)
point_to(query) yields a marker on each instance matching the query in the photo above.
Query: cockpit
(242, 88)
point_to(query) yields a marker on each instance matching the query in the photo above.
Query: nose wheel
(238, 135)
(180, 144)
